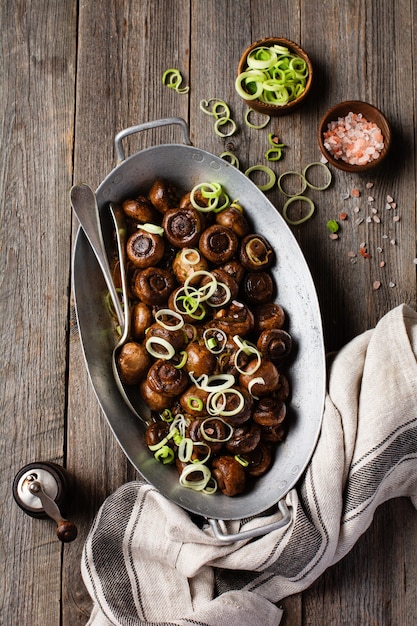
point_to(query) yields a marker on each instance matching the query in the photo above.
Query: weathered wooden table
(72, 75)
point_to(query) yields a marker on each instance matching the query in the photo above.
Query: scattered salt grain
(415, 261)
(343, 216)
(382, 264)
(384, 236)
(359, 221)
(396, 218)
(392, 284)
(388, 206)
(354, 139)
(355, 193)
(393, 242)
(390, 199)
(333, 236)
(376, 284)
(345, 195)
(356, 209)
(393, 205)
(374, 210)
(369, 219)
(352, 255)
(369, 185)
(370, 199)
(379, 249)
(376, 219)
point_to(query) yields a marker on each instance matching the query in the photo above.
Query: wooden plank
(36, 136)
(121, 60)
(367, 586)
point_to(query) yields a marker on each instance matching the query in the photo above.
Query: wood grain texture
(73, 75)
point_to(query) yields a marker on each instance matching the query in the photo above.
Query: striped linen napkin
(147, 562)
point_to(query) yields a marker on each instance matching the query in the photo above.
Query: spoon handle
(84, 204)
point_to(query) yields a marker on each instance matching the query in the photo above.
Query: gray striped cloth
(147, 562)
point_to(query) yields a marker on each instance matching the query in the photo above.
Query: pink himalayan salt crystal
(353, 139)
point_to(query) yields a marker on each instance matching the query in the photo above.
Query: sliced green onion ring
(151, 228)
(249, 113)
(166, 415)
(172, 78)
(204, 106)
(211, 486)
(190, 255)
(214, 439)
(241, 460)
(179, 425)
(185, 450)
(226, 298)
(230, 158)
(255, 381)
(214, 333)
(197, 485)
(266, 170)
(218, 382)
(165, 454)
(194, 403)
(183, 360)
(221, 121)
(202, 444)
(160, 341)
(215, 396)
(159, 317)
(273, 154)
(172, 432)
(327, 171)
(296, 174)
(303, 219)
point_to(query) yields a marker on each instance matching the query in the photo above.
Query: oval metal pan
(186, 166)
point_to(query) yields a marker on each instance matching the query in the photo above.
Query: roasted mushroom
(163, 195)
(156, 432)
(186, 263)
(166, 379)
(268, 315)
(153, 285)
(256, 253)
(236, 411)
(211, 431)
(218, 244)
(199, 359)
(226, 290)
(235, 269)
(140, 319)
(259, 460)
(144, 249)
(194, 401)
(174, 337)
(233, 219)
(182, 227)
(230, 475)
(275, 344)
(244, 439)
(133, 362)
(140, 210)
(262, 381)
(155, 401)
(258, 287)
(236, 319)
(270, 412)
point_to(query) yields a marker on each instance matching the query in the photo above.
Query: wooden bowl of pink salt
(354, 136)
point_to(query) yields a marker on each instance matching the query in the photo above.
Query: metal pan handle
(147, 126)
(253, 532)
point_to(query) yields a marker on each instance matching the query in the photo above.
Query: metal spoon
(84, 204)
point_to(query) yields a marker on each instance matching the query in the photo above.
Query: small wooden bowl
(370, 113)
(272, 109)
